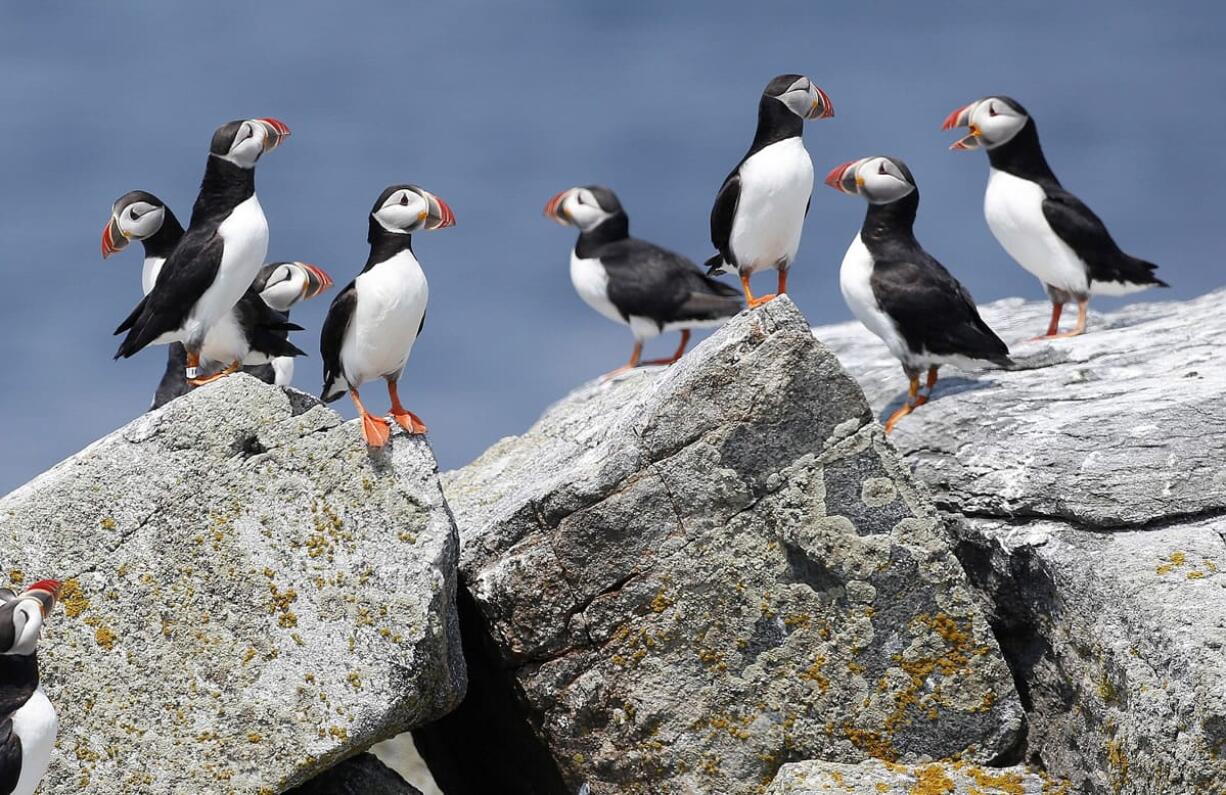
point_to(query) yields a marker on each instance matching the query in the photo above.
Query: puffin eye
(404, 199)
(991, 110)
(881, 169)
(133, 214)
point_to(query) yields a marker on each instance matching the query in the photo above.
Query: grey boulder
(1088, 493)
(685, 578)
(939, 778)
(249, 597)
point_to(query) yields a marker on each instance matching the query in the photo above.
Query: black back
(10, 756)
(18, 681)
(931, 309)
(193, 265)
(1069, 217)
(648, 281)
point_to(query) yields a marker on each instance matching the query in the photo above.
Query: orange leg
(1080, 328)
(1054, 326)
(403, 417)
(750, 301)
(783, 281)
(685, 340)
(905, 408)
(192, 366)
(374, 429)
(932, 381)
(635, 355)
(233, 367)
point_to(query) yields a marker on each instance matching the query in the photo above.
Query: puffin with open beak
(899, 291)
(1047, 230)
(373, 323)
(760, 210)
(633, 282)
(28, 723)
(218, 256)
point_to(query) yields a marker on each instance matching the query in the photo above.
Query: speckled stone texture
(696, 574)
(1088, 490)
(250, 595)
(359, 775)
(882, 778)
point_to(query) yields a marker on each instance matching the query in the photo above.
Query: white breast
(776, 184)
(1014, 210)
(855, 276)
(36, 724)
(391, 302)
(245, 236)
(149, 273)
(225, 342)
(591, 282)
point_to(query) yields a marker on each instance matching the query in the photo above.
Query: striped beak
(962, 118)
(113, 238)
(317, 280)
(439, 214)
(820, 105)
(275, 131)
(45, 592)
(845, 178)
(554, 210)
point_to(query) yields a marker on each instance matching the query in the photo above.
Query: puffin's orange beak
(276, 131)
(112, 238)
(554, 210)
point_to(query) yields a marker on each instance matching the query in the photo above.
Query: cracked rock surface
(940, 778)
(249, 595)
(1088, 491)
(691, 576)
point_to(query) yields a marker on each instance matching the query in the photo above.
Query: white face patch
(583, 210)
(285, 286)
(248, 145)
(882, 182)
(800, 98)
(140, 220)
(996, 121)
(403, 212)
(27, 620)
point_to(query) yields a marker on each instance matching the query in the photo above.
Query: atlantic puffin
(1046, 229)
(372, 324)
(218, 256)
(899, 291)
(28, 723)
(760, 210)
(267, 354)
(633, 282)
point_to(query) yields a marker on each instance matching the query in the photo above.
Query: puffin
(140, 215)
(372, 324)
(633, 282)
(217, 258)
(1046, 229)
(28, 724)
(760, 209)
(899, 291)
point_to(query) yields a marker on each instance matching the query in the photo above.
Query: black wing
(933, 311)
(186, 274)
(652, 282)
(267, 329)
(721, 220)
(333, 337)
(1086, 234)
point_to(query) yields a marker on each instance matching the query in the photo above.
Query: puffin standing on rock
(28, 724)
(218, 256)
(760, 210)
(258, 323)
(1046, 229)
(633, 282)
(372, 324)
(899, 291)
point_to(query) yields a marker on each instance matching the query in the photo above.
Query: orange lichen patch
(1008, 783)
(73, 599)
(17, 577)
(105, 637)
(279, 604)
(1196, 575)
(814, 673)
(870, 743)
(932, 780)
(661, 602)
(107, 524)
(1118, 761)
(952, 662)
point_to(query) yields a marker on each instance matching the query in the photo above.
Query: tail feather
(716, 265)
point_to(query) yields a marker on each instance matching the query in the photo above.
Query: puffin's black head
(585, 207)
(405, 209)
(134, 216)
(801, 96)
(242, 142)
(22, 616)
(992, 121)
(879, 179)
(283, 284)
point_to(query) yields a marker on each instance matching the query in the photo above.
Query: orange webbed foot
(375, 430)
(217, 376)
(758, 301)
(410, 422)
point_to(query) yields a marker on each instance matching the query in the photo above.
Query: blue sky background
(497, 106)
